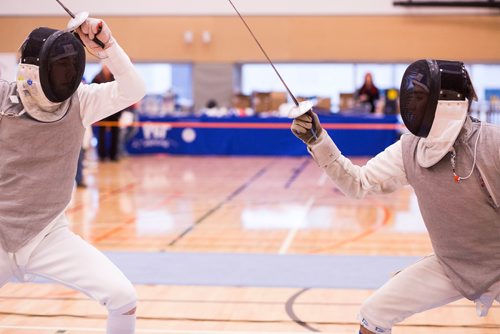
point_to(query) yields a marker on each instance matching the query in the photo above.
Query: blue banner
(354, 135)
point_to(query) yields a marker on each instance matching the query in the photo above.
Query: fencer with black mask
(42, 120)
(452, 161)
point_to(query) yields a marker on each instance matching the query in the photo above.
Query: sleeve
(383, 173)
(98, 101)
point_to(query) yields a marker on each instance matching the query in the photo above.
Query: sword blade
(66, 9)
(265, 54)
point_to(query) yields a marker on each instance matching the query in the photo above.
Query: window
(484, 77)
(319, 80)
(158, 77)
(330, 80)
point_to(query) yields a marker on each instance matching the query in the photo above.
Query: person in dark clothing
(368, 93)
(104, 150)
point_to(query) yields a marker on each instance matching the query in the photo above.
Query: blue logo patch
(30, 82)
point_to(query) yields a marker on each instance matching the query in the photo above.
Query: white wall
(219, 7)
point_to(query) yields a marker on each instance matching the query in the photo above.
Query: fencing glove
(307, 128)
(95, 28)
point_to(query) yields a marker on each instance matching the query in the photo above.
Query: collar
(467, 130)
(447, 125)
(34, 100)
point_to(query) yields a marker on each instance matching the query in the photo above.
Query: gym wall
(391, 38)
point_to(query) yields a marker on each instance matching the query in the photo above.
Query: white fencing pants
(420, 287)
(59, 255)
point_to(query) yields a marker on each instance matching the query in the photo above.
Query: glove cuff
(324, 150)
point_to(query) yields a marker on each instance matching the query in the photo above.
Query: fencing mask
(51, 68)
(435, 97)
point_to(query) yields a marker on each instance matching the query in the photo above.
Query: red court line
(372, 230)
(250, 125)
(104, 197)
(134, 217)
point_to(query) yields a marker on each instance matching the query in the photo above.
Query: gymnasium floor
(237, 245)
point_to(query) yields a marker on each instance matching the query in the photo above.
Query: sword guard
(301, 109)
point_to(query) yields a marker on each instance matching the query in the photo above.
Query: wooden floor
(217, 204)
(232, 205)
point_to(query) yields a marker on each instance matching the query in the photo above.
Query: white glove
(95, 28)
(307, 127)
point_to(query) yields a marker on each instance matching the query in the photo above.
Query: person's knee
(122, 320)
(131, 312)
(122, 299)
(373, 319)
(124, 310)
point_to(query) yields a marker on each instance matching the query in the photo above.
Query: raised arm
(382, 174)
(98, 101)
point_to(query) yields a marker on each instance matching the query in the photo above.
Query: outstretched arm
(98, 101)
(382, 174)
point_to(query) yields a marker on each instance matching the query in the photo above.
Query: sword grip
(97, 40)
(313, 130)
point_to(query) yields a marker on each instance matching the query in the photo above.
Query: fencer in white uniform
(452, 161)
(43, 116)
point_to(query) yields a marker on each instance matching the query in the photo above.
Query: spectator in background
(103, 151)
(368, 93)
(127, 128)
(212, 109)
(211, 104)
(169, 103)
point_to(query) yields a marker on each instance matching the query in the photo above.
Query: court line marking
(383, 221)
(104, 196)
(165, 331)
(293, 231)
(296, 172)
(226, 200)
(133, 218)
(180, 331)
(217, 302)
(322, 179)
(291, 313)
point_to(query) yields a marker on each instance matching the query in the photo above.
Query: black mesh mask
(60, 58)
(425, 82)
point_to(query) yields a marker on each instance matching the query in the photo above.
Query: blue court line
(259, 270)
(296, 172)
(219, 205)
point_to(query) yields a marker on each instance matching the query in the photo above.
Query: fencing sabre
(77, 20)
(300, 108)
